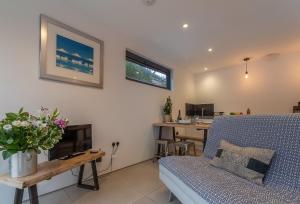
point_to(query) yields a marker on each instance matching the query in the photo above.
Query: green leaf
(55, 114)
(24, 115)
(11, 116)
(21, 110)
(12, 147)
(7, 154)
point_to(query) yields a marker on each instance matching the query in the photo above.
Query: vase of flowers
(23, 136)
(168, 110)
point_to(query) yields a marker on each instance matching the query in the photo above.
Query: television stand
(49, 169)
(70, 156)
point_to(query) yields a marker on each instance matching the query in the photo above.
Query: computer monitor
(202, 110)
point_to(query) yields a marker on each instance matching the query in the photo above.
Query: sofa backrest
(278, 132)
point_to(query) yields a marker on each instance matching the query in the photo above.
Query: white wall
(273, 86)
(123, 111)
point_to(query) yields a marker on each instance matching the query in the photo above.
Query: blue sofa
(193, 181)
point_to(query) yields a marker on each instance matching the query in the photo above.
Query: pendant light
(246, 61)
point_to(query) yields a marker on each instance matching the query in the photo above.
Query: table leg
(160, 132)
(174, 134)
(18, 196)
(33, 195)
(204, 138)
(174, 138)
(81, 170)
(95, 177)
(159, 137)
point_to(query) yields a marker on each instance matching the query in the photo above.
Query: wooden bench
(49, 169)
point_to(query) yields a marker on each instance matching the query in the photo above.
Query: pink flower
(61, 123)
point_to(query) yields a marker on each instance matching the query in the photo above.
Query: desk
(200, 126)
(49, 169)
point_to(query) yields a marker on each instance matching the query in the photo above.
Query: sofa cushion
(217, 186)
(250, 163)
(280, 133)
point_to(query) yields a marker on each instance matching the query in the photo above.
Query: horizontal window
(145, 71)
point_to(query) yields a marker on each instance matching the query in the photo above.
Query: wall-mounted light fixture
(246, 61)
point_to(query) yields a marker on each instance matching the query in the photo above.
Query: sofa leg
(171, 197)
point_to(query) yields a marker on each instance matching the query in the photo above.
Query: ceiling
(233, 28)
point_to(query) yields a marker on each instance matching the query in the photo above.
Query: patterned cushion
(248, 162)
(280, 133)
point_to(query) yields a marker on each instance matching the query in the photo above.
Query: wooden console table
(200, 126)
(49, 169)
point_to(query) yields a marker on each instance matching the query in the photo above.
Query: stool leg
(175, 150)
(19, 196)
(163, 149)
(194, 147)
(159, 149)
(166, 150)
(181, 151)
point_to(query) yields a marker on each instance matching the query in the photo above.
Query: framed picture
(69, 55)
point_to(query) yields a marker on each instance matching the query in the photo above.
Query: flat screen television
(75, 140)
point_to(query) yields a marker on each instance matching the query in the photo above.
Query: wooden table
(200, 126)
(49, 169)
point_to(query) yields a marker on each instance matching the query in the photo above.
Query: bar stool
(162, 147)
(184, 147)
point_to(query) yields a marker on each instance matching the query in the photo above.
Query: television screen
(76, 139)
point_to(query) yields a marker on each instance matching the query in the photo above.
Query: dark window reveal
(145, 71)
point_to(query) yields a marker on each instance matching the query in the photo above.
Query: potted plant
(23, 136)
(168, 110)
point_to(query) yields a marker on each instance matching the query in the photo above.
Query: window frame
(142, 61)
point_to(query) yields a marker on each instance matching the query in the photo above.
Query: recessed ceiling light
(185, 26)
(149, 2)
(210, 49)
(205, 68)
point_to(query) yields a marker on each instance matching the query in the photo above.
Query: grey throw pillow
(250, 163)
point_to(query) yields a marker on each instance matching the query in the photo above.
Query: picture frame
(70, 55)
